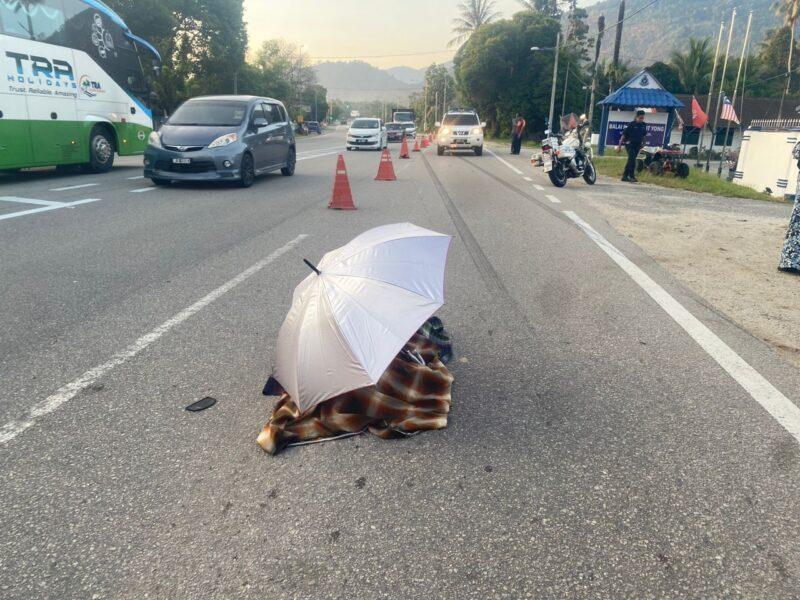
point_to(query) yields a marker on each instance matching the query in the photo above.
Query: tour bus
(75, 85)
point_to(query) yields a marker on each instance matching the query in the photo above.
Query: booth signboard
(656, 127)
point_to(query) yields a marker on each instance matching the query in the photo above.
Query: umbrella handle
(315, 269)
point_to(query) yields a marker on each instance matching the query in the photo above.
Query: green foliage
(667, 76)
(693, 67)
(472, 14)
(437, 78)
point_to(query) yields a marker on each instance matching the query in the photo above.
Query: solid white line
(33, 211)
(143, 190)
(137, 177)
(510, 166)
(553, 199)
(341, 147)
(319, 155)
(527, 179)
(538, 187)
(761, 390)
(31, 201)
(66, 393)
(74, 187)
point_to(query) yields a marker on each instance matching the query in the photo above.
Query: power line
(381, 55)
(633, 14)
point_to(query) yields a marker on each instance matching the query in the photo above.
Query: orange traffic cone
(404, 149)
(425, 142)
(386, 168)
(342, 198)
(416, 145)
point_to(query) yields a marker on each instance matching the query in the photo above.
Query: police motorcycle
(567, 156)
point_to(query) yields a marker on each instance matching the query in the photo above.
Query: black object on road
(202, 404)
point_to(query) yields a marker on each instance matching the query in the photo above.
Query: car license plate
(460, 141)
(181, 161)
(547, 163)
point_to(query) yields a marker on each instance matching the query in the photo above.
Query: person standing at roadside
(790, 253)
(633, 139)
(518, 125)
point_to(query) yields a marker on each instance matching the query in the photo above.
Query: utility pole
(788, 69)
(444, 100)
(425, 117)
(601, 25)
(564, 95)
(436, 107)
(721, 83)
(617, 44)
(710, 92)
(555, 78)
(735, 90)
(236, 82)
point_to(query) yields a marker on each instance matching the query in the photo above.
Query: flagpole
(735, 90)
(721, 83)
(710, 91)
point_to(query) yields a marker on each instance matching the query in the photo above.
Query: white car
(367, 133)
(460, 130)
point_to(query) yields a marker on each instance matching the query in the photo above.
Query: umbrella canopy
(355, 312)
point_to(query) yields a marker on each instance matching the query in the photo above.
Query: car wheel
(248, 171)
(478, 150)
(101, 151)
(291, 162)
(440, 150)
(159, 181)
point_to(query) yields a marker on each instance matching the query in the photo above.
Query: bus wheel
(101, 151)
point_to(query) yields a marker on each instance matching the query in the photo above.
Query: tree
(667, 76)
(788, 9)
(437, 79)
(693, 67)
(472, 15)
(549, 8)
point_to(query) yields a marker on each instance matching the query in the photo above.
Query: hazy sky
(361, 28)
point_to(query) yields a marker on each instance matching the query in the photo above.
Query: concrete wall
(676, 134)
(765, 161)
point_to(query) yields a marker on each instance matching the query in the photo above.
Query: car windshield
(461, 119)
(209, 113)
(404, 116)
(394, 127)
(365, 124)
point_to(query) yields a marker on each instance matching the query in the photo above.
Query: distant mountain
(667, 25)
(408, 75)
(360, 81)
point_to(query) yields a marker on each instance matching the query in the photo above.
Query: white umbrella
(355, 312)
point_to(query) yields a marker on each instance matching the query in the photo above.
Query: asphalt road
(611, 436)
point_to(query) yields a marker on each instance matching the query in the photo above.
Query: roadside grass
(697, 181)
(507, 141)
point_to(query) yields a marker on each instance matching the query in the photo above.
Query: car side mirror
(259, 122)
(437, 124)
(483, 124)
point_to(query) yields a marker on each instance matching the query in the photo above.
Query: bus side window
(46, 20)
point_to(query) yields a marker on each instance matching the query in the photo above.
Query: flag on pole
(727, 111)
(699, 118)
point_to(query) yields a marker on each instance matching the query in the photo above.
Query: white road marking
(527, 179)
(553, 199)
(509, 165)
(538, 187)
(143, 190)
(761, 390)
(74, 187)
(30, 201)
(66, 393)
(339, 151)
(320, 150)
(137, 177)
(55, 206)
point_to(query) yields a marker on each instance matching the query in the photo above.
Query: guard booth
(643, 91)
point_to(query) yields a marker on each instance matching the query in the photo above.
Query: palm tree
(788, 9)
(693, 66)
(473, 14)
(548, 7)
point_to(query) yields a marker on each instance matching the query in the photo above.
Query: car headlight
(477, 131)
(444, 131)
(154, 139)
(225, 140)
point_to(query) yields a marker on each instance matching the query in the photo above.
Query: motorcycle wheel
(557, 175)
(589, 173)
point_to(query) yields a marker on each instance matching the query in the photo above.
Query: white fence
(765, 158)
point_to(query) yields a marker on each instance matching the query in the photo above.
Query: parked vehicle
(461, 129)
(395, 132)
(407, 118)
(222, 138)
(314, 127)
(568, 156)
(367, 133)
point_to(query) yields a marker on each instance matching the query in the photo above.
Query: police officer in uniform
(633, 139)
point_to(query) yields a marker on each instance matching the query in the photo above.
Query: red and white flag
(727, 111)
(699, 118)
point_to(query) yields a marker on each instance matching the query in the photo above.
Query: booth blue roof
(635, 97)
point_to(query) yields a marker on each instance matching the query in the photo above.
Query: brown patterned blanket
(413, 395)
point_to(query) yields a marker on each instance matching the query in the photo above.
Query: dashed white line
(30, 201)
(137, 177)
(761, 390)
(143, 190)
(318, 155)
(527, 179)
(54, 206)
(509, 165)
(538, 187)
(66, 393)
(73, 187)
(553, 199)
